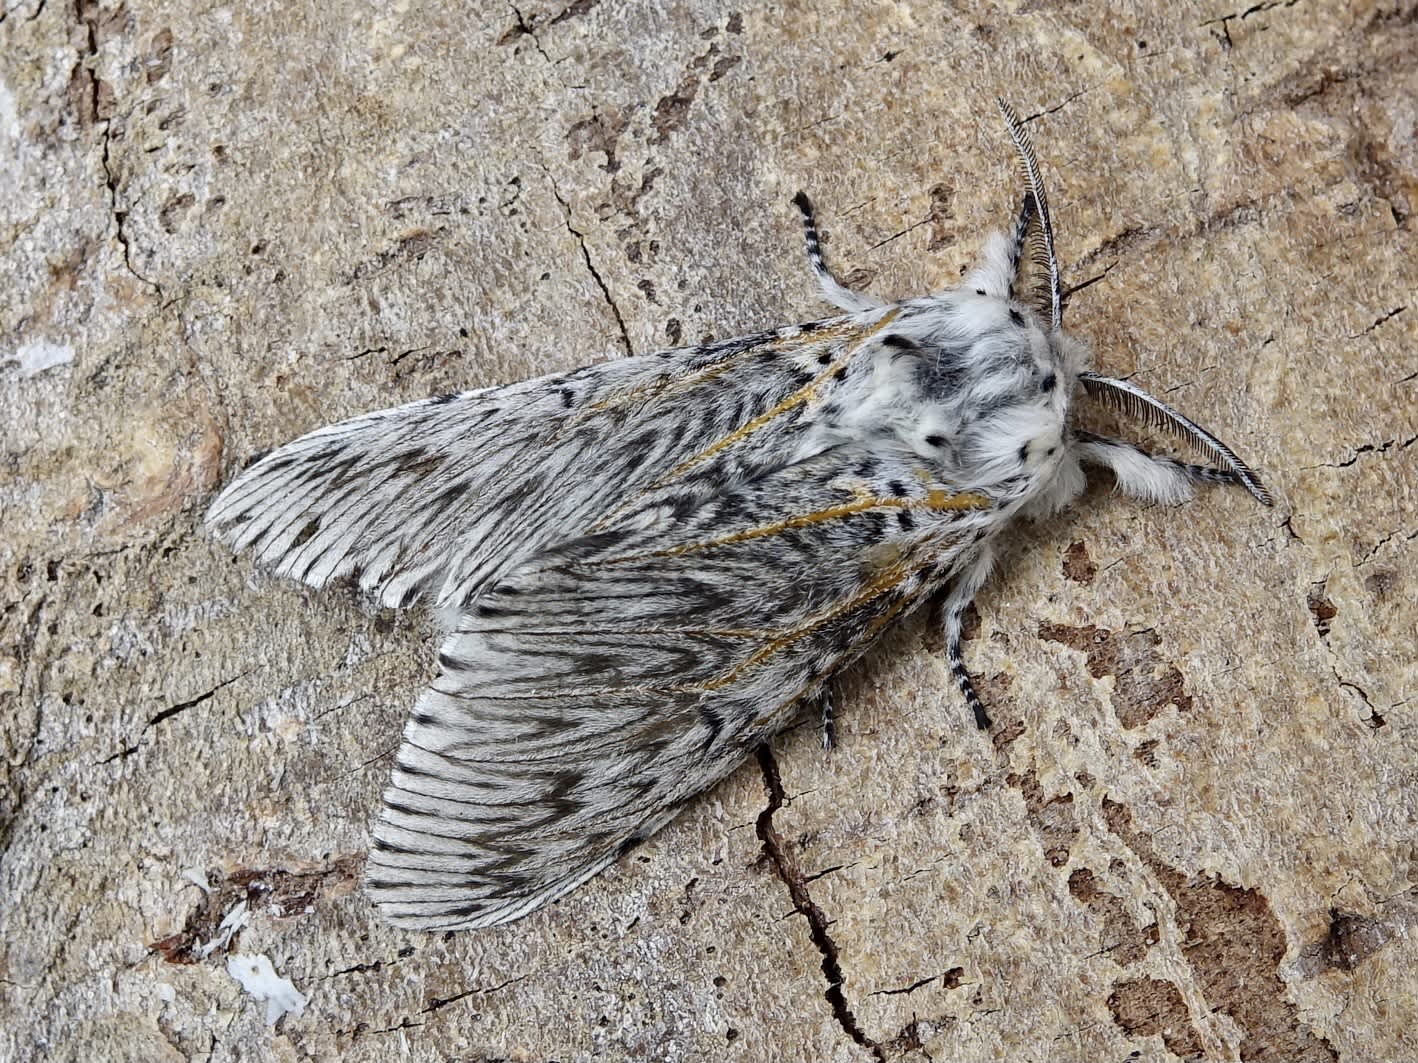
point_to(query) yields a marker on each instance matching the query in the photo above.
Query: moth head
(1021, 269)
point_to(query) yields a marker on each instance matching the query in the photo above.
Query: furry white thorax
(971, 381)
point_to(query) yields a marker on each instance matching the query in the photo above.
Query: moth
(648, 567)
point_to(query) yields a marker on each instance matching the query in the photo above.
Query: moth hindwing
(645, 568)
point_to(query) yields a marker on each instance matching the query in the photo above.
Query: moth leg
(1146, 476)
(833, 290)
(826, 707)
(960, 594)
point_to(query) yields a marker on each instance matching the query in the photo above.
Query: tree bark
(1191, 833)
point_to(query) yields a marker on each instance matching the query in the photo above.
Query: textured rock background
(1193, 833)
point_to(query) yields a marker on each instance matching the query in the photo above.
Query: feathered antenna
(1133, 401)
(1034, 226)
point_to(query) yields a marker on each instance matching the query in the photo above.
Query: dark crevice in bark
(437, 1003)
(526, 29)
(119, 217)
(168, 713)
(786, 867)
(590, 265)
(94, 109)
(1379, 321)
(1058, 106)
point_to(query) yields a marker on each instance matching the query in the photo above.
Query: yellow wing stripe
(664, 382)
(849, 331)
(669, 382)
(937, 501)
(887, 581)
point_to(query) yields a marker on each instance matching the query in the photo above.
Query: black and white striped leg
(958, 597)
(962, 680)
(1147, 476)
(833, 290)
(826, 706)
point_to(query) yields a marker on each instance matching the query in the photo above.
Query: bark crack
(906, 989)
(120, 216)
(88, 16)
(358, 968)
(1254, 9)
(525, 28)
(897, 235)
(1367, 448)
(405, 1024)
(1058, 106)
(1379, 321)
(590, 265)
(1322, 612)
(1390, 537)
(1375, 719)
(437, 1003)
(786, 867)
(443, 1002)
(168, 713)
(1073, 289)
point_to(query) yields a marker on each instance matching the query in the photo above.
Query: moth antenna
(833, 290)
(1034, 226)
(1134, 402)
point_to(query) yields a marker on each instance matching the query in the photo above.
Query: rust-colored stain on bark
(1123, 940)
(1322, 608)
(1077, 565)
(1144, 682)
(1234, 944)
(1051, 816)
(1147, 1006)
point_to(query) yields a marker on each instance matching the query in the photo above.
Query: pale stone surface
(1193, 831)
